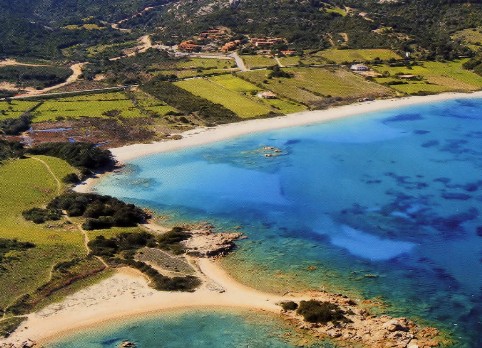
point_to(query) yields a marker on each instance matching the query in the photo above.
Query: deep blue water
(386, 205)
(195, 329)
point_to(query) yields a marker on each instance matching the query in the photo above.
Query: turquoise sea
(385, 206)
(197, 329)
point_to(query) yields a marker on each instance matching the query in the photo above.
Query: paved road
(239, 62)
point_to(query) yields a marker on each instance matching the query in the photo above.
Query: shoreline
(203, 136)
(127, 296)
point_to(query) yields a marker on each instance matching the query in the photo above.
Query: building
(266, 42)
(288, 53)
(359, 67)
(266, 95)
(189, 46)
(230, 46)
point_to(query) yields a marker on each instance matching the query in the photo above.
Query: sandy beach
(202, 136)
(127, 295)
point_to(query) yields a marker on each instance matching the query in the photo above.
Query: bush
(39, 215)
(10, 149)
(15, 126)
(71, 178)
(80, 155)
(101, 211)
(277, 72)
(171, 240)
(289, 305)
(314, 311)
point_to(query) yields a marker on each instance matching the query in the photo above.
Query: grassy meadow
(25, 184)
(15, 108)
(238, 95)
(311, 86)
(433, 77)
(471, 37)
(258, 61)
(358, 55)
(240, 104)
(130, 104)
(207, 63)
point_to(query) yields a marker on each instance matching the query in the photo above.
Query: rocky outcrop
(365, 329)
(204, 242)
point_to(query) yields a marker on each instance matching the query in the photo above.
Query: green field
(337, 10)
(15, 108)
(471, 37)
(435, 77)
(255, 61)
(311, 86)
(148, 103)
(360, 55)
(25, 184)
(114, 49)
(290, 61)
(237, 84)
(207, 63)
(234, 83)
(95, 105)
(240, 104)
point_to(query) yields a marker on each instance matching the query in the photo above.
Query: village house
(288, 53)
(266, 42)
(359, 67)
(230, 46)
(189, 46)
(266, 95)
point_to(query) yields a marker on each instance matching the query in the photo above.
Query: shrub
(171, 240)
(15, 126)
(314, 311)
(39, 215)
(289, 305)
(80, 155)
(71, 178)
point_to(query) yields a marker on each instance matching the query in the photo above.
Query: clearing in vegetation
(257, 61)
(471, 37)
(278, 105)
(358, 55)
(207, 63)
(240, 104)
(430, 77)
(313, 87)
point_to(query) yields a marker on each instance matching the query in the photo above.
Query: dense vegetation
(100, 211)
(182, 100)
(314, 311)
(9, 149)
(80, 155)
(171, 240)
(121, 249)
(15, 126)
(34, 76)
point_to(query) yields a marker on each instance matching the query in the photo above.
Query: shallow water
(386, 205)
(199, 329)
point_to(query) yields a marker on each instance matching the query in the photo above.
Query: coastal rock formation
(204, 242)
(363, 328)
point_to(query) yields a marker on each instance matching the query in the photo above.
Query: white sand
(203, 136)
